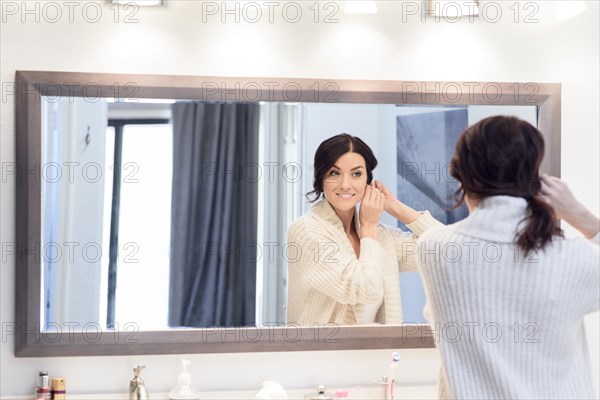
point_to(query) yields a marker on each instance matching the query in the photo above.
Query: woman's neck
(347, 218)
(471, 202)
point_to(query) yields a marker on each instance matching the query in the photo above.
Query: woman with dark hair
(506, 292)
(342, 263)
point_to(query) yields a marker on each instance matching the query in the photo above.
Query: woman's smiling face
(345, 183)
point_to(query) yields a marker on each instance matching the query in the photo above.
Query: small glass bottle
(42, 391)
(59, 390)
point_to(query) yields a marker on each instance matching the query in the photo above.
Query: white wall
(175, 40)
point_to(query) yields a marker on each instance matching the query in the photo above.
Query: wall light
(140, 2)
(453, 8)
(567, 9)
(360, 7)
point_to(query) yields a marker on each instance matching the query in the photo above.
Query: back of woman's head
(501, 155)
(328, 153)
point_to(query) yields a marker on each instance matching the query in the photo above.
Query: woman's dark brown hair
(328, 153)
(501, 155)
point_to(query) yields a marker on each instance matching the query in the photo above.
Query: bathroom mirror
(289, 130)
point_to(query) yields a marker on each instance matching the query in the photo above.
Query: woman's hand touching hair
(371, 208)
(389, 198)
(557, 194)
(395, 207)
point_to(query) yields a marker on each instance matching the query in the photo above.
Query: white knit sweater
(327, 283)
(509, 326)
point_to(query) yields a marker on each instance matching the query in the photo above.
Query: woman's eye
(333, 173)
(358, 174)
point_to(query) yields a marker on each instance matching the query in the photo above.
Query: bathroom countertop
(374, 393)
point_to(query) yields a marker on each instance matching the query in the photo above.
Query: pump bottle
(184, 389)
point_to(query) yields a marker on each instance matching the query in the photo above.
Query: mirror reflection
(175, 214)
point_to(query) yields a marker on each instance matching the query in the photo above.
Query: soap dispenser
(184, 389)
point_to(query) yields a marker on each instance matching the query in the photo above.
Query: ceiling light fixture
(567, 9)
(140, 2)
(453, 8)
(360, 7)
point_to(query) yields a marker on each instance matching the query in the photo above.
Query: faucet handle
(320, 395)
(137, 390)
(137, 370)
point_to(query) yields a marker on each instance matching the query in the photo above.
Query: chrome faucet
(137, 390)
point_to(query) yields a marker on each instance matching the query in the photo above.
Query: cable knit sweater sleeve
(328, 267)
(405, 242)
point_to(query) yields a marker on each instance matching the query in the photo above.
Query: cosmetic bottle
(42, 391)
(184, 389)
(59, 389)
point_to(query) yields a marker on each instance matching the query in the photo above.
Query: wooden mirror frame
(32, 341)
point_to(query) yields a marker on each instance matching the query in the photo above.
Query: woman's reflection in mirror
(343, 264)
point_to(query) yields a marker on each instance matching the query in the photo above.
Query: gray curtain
(214, 214)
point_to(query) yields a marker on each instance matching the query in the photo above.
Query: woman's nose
(345, 181)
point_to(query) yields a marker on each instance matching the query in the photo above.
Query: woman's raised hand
(389, 198)
(371, 208)
(557, 194)
(395, 207)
